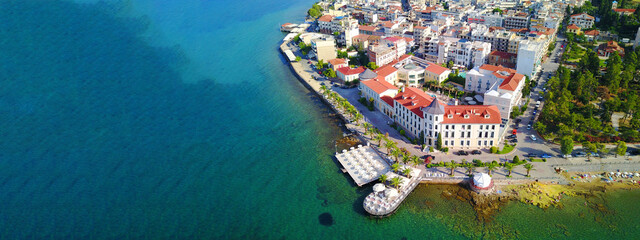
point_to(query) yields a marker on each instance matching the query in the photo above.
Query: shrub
(516, 159)
(544, 160)
(430, 149)
(494, 149)
(402, 132)
(445, 149)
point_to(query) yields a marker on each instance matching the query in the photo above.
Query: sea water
(180, 119)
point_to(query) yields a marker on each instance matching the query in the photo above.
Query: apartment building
(582, 20)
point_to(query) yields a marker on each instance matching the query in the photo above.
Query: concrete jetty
(383, 202)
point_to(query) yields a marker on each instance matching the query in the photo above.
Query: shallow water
(179, 119)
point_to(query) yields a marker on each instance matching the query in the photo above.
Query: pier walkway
(385, 201)
(363, 164)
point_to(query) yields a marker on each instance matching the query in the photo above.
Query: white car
(533, 138)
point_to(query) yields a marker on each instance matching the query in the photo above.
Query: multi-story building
(583, 20)
(516, 21)
(411, 74)
(503, 59)
(463, 52)
(461, 127)
(348, 74)
(388, 73)
(501, 86)
(324, 48)
(387, 50)
(530, 54)
(324, 24)
(375, 89)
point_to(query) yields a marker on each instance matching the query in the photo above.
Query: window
(462, 143)
(479, 143)
(491, 143)
(453, 134)
(453, 127)
(446, 134)
(485, 142)
(486, 134)
(479, 134)
(468, 134)
(446, 127)
(436, 119)
(429, 117)
(469, 127)
(446, 143)
(468, 143)
(493, 127)
(492, 134)
(480, 127)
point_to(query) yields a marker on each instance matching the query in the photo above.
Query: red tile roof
(435, 68)
(573, 26)
(512, 82)
(413, 99)
(502, 54)
(366, 28)
(379, 86)
(351, 71)
(387, 99)
(587, 15)
(337, 61)
(482, 114)
(408, 40)
(325, 18)
(592, 32)
(385, 70)
(419, 27)
(624, 10)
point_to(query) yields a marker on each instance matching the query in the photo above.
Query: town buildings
(582, 20)
(502, 87)
(324, 48)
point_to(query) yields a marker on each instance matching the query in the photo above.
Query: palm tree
(324, 89)
(529, 167)
(383, 178)
(406, 158)
(407, 172)
(470, 167)
(358, 117)
(509, 168)
(389, 145)
(451, 165)
(395, 182)
(378, 138)
(415, 160)
(491, 166)
(395, 152)
(395, 167)
(366, 127)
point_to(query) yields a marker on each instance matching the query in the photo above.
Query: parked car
(515, 140)
(533, 137)
(463, 153)
(594, 154)
(546, 156)
(511, 136)
(528, 126)
(531, 155)
(476, 152)
(566, 156)
(580, 154)
(518, 120)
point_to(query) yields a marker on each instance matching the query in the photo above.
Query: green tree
(497, 10)
(415, 161)
(389, 144)
(509, 168)
(516, 159)
(383, 178)
(589, 148)
(491, 166)
(470, 167)
(566, 145)
(372, 66)
(621, 148)
(357, 117)
(320, 64)
(406, 158)
(395, 167)
(298, 58)
(395, 182)
(452, 166)
(407, 172)
(379, 138)
(439, 142)
(395, 152)
(528, 167)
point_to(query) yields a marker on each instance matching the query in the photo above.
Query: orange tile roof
(511, 82)
(437, 69)
(592, 32)
(366, 28)
(502, 54)
(573, 26)
(351, 71)
(482, 114)
(385, 70)
(413, 99)
(337, 61)
(624, 10)
(388, 100)
(325, 18)
(588, 16)
(379, 86)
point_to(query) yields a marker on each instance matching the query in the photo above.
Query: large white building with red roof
(583, 20)
(374, 90)
(501, 86)
(348, 74)
(461, 127)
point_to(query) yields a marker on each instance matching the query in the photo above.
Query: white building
(530, 53)
(347, 74)
(463, 52)
(324, 48)
(461, 127)
(377, 90)
(501, 86)
(411, 74)
(583, 20)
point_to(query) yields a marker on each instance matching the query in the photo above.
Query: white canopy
(472, 102)
(391, 192)
(379, 187)
(481, 180)
(468, 98)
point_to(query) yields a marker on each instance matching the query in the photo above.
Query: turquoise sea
(167, 119)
